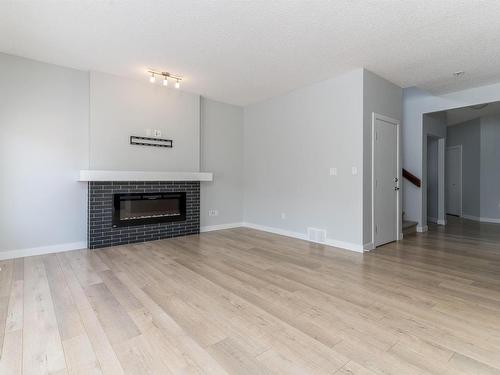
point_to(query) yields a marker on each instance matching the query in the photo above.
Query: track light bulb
(152, 79)
(165, 81)
(177, 84)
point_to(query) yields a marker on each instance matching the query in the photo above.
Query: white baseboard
(422, 229)
(435, 220)
(283, 232)
(210, 228)
(369, 246)
(482, 219)
(303, 236)
(20, 253)
(470, 217)
(344, 245)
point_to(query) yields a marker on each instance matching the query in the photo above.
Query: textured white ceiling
(242, 52)
(459, 115)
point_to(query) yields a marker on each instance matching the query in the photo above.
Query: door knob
(396, 188)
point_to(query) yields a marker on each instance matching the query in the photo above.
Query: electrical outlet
(283, 216)
(333, 171)
(157, 133)
(213, 213)
(354, 171)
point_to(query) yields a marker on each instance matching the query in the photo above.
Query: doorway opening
(462, 173)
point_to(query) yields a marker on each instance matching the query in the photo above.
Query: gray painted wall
(432, 178)
(384, 98)
(290, 144)
(468, 134)
(434, 125)
(121, 107)
(480, 140)
(222, 154)
(45, 123)
(416, 103)
(43, 144)
(490, 167)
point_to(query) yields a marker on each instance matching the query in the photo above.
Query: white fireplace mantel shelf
(100, 175)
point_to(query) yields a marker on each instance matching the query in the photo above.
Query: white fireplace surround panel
(101, 175)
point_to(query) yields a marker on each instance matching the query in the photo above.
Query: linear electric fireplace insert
(148, 208)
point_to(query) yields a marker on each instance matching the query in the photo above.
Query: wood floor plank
(6, 271)
(112, 316)
(193, 356)
(67, 315)
(241, 301)
(42, 347)
(78, 352)
(103, 350)
(235, 359)
(11, 356)
(352, 368)
(11, 361)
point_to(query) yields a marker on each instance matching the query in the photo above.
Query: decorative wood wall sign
(155, 142)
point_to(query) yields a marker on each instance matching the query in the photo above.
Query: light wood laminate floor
(241, 301)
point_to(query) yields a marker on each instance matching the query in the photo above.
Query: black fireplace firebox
(148, 208)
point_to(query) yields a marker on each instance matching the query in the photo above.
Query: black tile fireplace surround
(103, 230)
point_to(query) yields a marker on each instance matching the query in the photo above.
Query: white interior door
(453, 183)
(385, 181)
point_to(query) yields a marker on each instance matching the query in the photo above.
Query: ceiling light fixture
(166, 76)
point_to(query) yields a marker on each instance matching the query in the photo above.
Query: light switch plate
(333, 171)
(354, 171)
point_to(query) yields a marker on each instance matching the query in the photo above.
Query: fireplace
(148, 208)
(124, 212)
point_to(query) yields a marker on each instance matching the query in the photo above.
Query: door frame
(460, 166)
(399, 207)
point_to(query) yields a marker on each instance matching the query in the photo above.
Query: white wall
(384, 98)
(47, 114)
(480, 141)
(280, 150)
(434, 125)
(416, 103)
(432, 179)
(222, 154)
(121, 107)
(290, 143)
(490, 168)
(43, 143)
(468, 135)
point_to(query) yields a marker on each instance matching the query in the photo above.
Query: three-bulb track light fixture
(165, 76)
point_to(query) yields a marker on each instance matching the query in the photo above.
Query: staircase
(410, 227)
